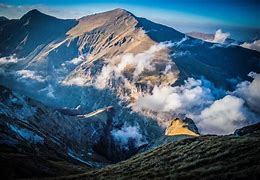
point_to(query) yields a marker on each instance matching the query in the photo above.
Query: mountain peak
(36, 14)
(108, 14)
(120, 10)
(116, 17)
(34, 11)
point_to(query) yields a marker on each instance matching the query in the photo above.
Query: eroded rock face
(181, 127)
(29, 124)
(82, 138)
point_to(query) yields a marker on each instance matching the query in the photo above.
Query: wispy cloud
(220, 37)
(28, 74)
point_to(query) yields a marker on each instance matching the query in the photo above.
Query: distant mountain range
(71, 89)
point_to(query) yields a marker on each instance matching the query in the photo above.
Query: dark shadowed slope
(205, 157)
(159, 32)
(37, 141)
(3, 19)
(22, 36)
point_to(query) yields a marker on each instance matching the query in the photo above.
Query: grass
(205, 157)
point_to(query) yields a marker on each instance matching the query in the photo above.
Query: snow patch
(28, 135)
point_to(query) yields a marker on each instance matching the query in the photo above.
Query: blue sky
(239, 17)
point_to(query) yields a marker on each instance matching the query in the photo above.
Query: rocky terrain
(29, 148)
(181, 127)
(50, 142)
(78, 95)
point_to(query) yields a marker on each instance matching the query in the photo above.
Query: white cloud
(212, 109)
(28, 74)
(78, 81)
(138, 62)
(9, 60)
(78, 60)
(220, 37)
(250, 91)
(254, 45)
(126, 133)
(223, 116)
(178, 99)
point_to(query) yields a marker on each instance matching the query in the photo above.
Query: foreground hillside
(205, 157)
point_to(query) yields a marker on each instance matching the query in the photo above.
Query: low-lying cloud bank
(136, 64)
(255, 45)
(213, 110)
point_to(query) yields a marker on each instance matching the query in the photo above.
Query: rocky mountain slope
(87, 80)
(118, 55)
(33, 30)
(50, 141)
(37, 141)
(26, 122)
(202, 36)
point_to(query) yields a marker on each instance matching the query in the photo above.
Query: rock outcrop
(182, 127)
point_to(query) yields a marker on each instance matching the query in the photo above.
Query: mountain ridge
(102, 88)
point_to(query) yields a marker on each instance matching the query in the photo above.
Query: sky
(241, 18)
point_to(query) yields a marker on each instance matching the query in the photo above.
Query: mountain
(2, 19)
(210, 37)
(38, 141)
(204, 157)
(73, 90)
(32, 31)
(85, 53)
(202, 36)
(31, 125)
